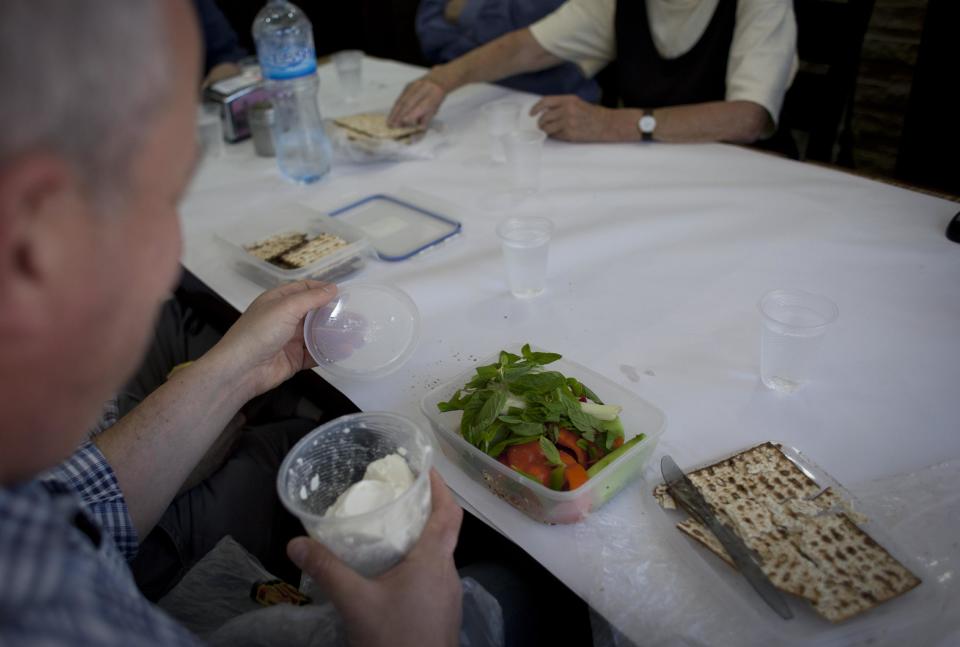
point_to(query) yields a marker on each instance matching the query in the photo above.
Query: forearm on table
(153, 449)
(739, 122)
(513, 53)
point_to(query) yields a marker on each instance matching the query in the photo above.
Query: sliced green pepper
(614, 455)
(557, 477)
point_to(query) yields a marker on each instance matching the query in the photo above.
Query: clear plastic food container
(539, 502)
(368, 331)
(288, 219)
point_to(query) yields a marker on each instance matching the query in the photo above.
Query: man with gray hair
(96, 149)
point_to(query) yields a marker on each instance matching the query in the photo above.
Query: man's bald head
(80, 79)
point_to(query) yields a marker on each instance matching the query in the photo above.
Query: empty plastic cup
(349, 64)
(525, 242)
(333, 457)
(794, 323)
(501, 119)
(524, 151)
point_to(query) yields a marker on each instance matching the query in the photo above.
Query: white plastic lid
(367, 331)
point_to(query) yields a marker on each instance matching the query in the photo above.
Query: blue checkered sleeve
(88, 473)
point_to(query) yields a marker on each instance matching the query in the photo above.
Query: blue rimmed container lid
(397, 229)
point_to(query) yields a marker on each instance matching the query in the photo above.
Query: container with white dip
(369, 518)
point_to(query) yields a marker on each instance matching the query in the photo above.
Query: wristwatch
(646, 125)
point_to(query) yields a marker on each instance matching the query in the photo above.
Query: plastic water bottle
(288, 61)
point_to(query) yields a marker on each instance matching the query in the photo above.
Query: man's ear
(40, 201)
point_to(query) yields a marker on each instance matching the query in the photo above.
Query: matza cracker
(806, 539)
(374, 124)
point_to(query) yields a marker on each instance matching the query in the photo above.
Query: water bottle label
(288, 62)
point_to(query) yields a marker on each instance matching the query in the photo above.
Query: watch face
(647, 123)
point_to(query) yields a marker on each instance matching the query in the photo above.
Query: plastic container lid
(396, 229)
(367, 331)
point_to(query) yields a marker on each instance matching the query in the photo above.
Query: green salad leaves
(516, 401)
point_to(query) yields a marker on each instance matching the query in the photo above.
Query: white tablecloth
(660, 255)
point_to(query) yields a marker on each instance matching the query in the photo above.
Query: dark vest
(647, 80)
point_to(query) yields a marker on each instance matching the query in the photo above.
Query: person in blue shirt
(222, 50)
(450, 28)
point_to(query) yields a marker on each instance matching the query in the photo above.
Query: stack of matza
(372, 127)
(296, 250)
(806, 538)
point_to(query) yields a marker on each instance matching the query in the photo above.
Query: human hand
(265, 346)
(570, 118)
(418, 103)
(453, 9)
(417, 603)
(220, 72)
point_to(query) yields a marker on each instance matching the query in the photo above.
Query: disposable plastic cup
(209, 131)
(333, 457)
(525, 242)
(501, 119)
(794, 323)
(349, 64)
(524, 151)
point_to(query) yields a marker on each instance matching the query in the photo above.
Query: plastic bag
(213, 601)
(353, 149)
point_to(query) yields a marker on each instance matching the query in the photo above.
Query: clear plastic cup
(333, 457)
(501, 119)
(524, 151)
(367, 331)
(794, 323)
(525, 242)
(349, 64)
(209, 130)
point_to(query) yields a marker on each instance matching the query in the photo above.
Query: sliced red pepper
(568, 440)
(529, 458)
(575, 476)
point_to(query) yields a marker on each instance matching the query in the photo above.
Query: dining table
(658, 259)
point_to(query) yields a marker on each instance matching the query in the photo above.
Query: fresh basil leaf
(527, 429)
(507, 359)
(470, 411)
(491, 434)
(550, 451)
(489, 411)
(579, 389)
(483, 377)
(584, 422)
(517, 371)
(582, 444)
(511, 420)
(456, 403)
(590, 394)
(538, 358)
(537, 383)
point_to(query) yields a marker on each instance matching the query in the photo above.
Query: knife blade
(683, 489)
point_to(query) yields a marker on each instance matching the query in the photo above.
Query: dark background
(383, 28)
